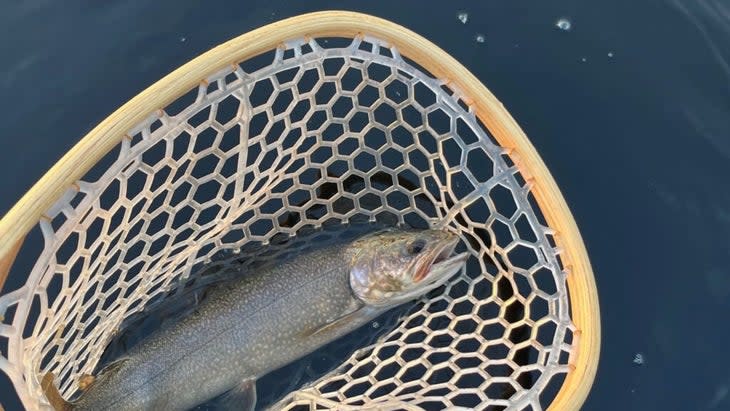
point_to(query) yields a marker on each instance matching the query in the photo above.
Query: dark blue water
(637, 137)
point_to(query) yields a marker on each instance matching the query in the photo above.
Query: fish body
(267, 319)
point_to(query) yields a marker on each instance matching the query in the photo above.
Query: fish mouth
(441, 262)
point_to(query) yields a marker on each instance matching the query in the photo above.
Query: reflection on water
(712, 19)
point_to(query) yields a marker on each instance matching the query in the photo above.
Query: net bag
(325, 118)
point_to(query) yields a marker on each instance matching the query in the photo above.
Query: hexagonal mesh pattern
(320, 131)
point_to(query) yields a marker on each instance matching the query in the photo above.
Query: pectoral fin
(344, 321)
(240, 398)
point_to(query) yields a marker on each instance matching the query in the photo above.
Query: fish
(264, 320)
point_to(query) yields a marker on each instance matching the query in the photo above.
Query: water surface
(629, 109)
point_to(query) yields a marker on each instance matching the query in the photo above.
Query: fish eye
(416, 247)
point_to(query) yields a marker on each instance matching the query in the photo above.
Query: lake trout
(267, 319)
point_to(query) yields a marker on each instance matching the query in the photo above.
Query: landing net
(319, 130)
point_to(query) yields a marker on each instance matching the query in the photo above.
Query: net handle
(104, 137)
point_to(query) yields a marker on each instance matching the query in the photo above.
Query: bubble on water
(583, 59)
(564, 24)
(639, 359)
(463, 17)
(376, 324)
(610, 54)
(480, 38)
(183, 39)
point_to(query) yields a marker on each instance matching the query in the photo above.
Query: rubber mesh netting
(316, 132)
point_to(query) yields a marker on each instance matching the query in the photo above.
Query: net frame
(37, 203)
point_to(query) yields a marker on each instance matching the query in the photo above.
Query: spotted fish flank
(267, 319)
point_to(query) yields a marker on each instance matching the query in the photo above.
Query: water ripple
(712, 20)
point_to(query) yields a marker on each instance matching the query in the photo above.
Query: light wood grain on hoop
(82, 157)
(7, 260)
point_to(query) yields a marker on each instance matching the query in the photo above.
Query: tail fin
(52, 394)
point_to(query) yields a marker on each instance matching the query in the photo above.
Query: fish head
(394, 266)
